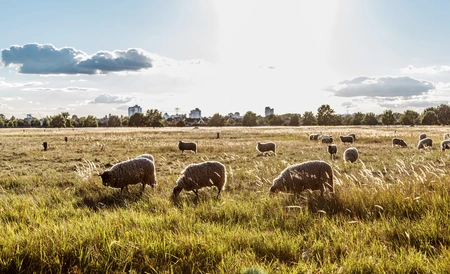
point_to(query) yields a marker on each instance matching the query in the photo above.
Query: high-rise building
(195, 113)
(269, 111)
(134, 109)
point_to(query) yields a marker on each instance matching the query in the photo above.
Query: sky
(222, 56)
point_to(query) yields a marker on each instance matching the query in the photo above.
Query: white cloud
(385, 86)
(106, 98)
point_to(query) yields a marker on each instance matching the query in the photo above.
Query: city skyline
(222, 56)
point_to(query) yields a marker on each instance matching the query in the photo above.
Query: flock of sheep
(312, 175)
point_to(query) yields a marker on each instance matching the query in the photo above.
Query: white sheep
(205, 174)
(427, 142)
(130, 172)
(351, 154)
(266, 147)
(312, 175)
(332, 149)
(445, 145)
(187, 146)
(398, 142)
(422, 136)
(147, 156)
(346, 139)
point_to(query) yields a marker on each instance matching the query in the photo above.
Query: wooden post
(45, 145)
(65, 139)
(218, 135)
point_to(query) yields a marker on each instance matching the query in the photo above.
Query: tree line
(325, 116)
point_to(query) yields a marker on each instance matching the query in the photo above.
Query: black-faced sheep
(187, 146)
(134, 171)
(266, 147)
(422, 136)
(398, 142)
(346, 139)
(312, 175)
(427, 142)
(314, 137)
(445, 145)
(332, 149)
(196, 176)
(353, 135)
(351, 154)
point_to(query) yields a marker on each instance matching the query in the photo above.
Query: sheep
(187, 146)
(205, 174)
(346, 139)
(422, 136)
(147, 156)
(312, 175)
(445, 145)
(427, 142)
(351, 154)
(398, 142)
(332, 149)
(265, 147)
(130, 172)
(314, 137)
(353, 135)
(326, 139)
(446, 136)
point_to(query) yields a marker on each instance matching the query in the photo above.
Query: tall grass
(389, 213)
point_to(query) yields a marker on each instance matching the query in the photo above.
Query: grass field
(390, 212)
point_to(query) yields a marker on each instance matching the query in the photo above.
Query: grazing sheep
(422, 136)
(314, 137)
(134, 171)
(445, 145)
(427, 142)
(326, 139)
(351, 155)
(147, 156)
(446, 136)
(312, 175)
(332, 149)
(265, 147)
(353, 135)
(398, 142)
(346, 139)
(187, 146)
(196, 176)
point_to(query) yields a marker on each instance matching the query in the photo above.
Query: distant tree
(137, 120)
(58, 121)
(125, 120)
(388, 118)
(443, 114)
(35, 122)
(325, 115)
(370, 119)
(274, 120)
(429, 118)
(65, 115)
(309, 119)
(181, 123)
(2, 122)
(46, 121)
(295, 120)
(409, 117)
(114, 121)
(90, 121)
(153, 118)
(249, 119)
(338, 120)
(357, 119)
(21, 123)
(216, 120)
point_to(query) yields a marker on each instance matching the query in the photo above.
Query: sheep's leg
(218, 194)
(196, 192)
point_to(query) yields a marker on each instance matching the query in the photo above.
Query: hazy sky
(100, 57)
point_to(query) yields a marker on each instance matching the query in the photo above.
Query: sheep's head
(176, 191)
(106, 177)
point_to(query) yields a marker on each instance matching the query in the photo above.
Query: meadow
(390, 212)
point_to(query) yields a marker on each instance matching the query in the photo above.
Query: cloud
(111, 99)
(425, 70)
(10, 98)
(4, 84)
(385, 86)
(66, 89)
(419, 103)
(46, 59)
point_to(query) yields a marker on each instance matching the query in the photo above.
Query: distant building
(29, 117)
(133, 110)
(195, 113)
(269, 111)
